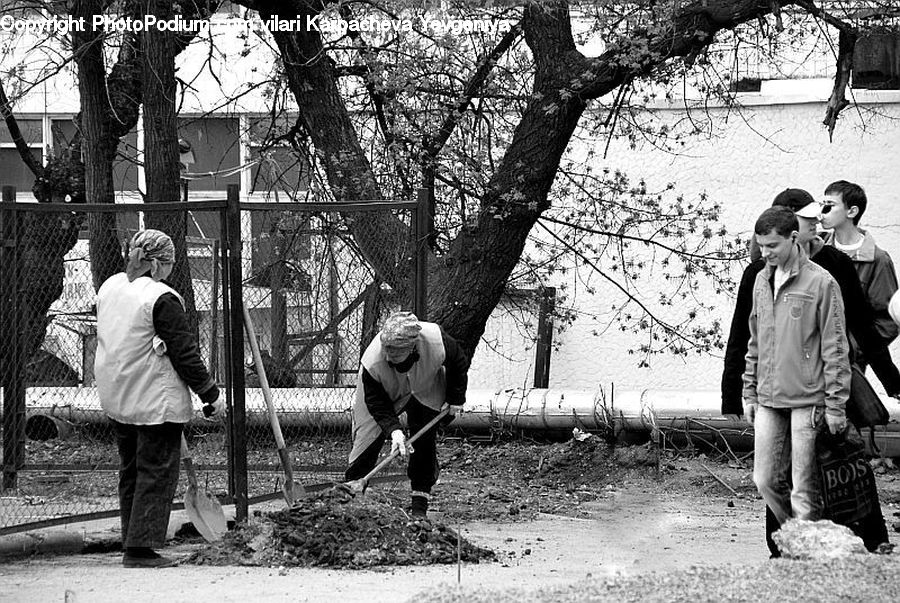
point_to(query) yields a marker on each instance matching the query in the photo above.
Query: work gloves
(398, 443)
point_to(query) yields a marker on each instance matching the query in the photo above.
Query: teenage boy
(797, 375)
(843, 208)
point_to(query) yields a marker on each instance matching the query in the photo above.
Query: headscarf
(147, 250)
(400, 332)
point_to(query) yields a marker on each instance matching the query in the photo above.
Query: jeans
(785, 441)
(148, 476)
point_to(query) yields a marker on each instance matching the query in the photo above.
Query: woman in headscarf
(146, 360)
(413, 367)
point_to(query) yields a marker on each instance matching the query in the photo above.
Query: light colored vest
(426, 381)
(136, 381)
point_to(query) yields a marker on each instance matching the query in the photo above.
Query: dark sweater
(456, 364)
(858, 315)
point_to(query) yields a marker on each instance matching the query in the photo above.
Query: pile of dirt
(576, 462)
(335, 530)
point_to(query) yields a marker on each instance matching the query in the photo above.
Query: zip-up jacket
(879, 282)
(798, 352)
(857, 316)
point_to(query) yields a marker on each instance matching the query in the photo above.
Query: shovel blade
(206, 514)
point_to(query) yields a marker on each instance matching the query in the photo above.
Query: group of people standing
(807, 307)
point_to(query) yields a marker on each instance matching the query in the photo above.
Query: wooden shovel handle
(263, 380)
(188, 463)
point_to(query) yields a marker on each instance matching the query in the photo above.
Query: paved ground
(628, 532)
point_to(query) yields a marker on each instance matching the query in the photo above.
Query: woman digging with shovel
(146, 360)
(412, 367)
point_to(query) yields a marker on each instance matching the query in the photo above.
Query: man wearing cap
(147, 362)
(857, 315)
(412, 367)
(797, 376)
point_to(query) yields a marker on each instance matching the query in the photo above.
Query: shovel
(358, 486)
(289, 488)
(203, 510)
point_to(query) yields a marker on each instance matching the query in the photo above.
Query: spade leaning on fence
(147, 359)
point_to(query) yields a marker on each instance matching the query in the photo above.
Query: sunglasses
(826, 206)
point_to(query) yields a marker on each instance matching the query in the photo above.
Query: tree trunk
(99, 144)
(161, 145)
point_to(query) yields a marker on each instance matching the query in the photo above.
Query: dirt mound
(589, 461)
(335, 530)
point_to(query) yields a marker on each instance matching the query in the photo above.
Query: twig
(721, 481)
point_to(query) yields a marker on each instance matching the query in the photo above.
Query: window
(876, 61)
(216, 145)
(278, 168)
(13, 171)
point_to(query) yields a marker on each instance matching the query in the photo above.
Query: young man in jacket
(412, 367)
(146, 364)
(843, 208)
(797, 376)
(857, 314)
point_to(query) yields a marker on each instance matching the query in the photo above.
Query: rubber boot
(419, 506)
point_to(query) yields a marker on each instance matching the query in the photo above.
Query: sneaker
(419, 507)
(158, 561)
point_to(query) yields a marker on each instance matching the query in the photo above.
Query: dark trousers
(423, 465)
(148, 475)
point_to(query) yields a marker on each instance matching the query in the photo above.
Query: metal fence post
(13, 375)
(543, 347)
(237, 417)
(420, 236)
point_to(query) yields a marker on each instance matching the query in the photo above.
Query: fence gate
(314, 287)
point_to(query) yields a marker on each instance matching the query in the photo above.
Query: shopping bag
(847, 480)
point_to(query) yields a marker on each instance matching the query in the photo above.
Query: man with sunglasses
(843, 208)
(412, 367)
(858, 319)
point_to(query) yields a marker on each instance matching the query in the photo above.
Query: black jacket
(858, 315)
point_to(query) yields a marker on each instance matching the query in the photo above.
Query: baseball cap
(798, 201)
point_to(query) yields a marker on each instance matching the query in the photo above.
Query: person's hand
(835, 424)
(731, 416)
(398, 442)
(448, 418)
(215, 409)
(750, 413)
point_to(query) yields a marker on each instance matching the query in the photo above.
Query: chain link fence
(312, 294)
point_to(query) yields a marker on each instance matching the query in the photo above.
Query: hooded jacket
(798, 352)
(857, 314)
(878, 279)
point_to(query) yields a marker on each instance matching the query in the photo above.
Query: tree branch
(837, 102)
(485, 66)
